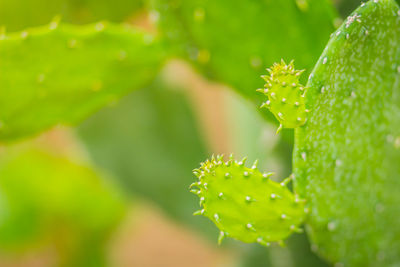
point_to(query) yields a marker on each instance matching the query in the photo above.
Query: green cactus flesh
(347, 155)
(245, 204)
(285, 95)
(69, 72)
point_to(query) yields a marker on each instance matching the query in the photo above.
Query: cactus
(345, 155)
(245, 204)
(69, 72)
(285, 95)
(346, 149)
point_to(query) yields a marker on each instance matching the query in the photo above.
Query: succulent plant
(346, 149)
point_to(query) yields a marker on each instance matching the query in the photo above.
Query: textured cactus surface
(245, 204)
(69, 72)
(347, 154)
(231, 48)
(285, 95)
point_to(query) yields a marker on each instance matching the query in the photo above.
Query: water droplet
(72, 43)
(397, 142)
(249, 226)
(122, 55)
(255, 62)
(154, 16)
(199, 14)
(325, 60)
(351, 19)
(41, 78)
(24, 34)
(53, 25)
(331, 226)
(302, 5)
(99, 26)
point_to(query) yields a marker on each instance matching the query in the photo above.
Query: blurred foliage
(70, 72)
(48, 198)
(151, 142)
(346, 7)
(19, 14)
(234, 42)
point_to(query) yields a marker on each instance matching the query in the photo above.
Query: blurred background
(113, 190)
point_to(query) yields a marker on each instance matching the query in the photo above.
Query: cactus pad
(285, 95)
(346, 156)
(69, 72)
(245, 204)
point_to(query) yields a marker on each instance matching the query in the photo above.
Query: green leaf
(19, 14)
(46, 195)
(62, 74)
(232, 43)
(245, 204)
(346, 155)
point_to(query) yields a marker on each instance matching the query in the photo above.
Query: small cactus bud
(284, 94)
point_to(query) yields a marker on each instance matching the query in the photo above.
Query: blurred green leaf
(19, 14)
(234, 42)
(151, 142)
(47, 197)
(63, 74)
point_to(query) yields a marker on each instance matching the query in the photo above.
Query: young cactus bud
(245, 204)
(285, 95)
